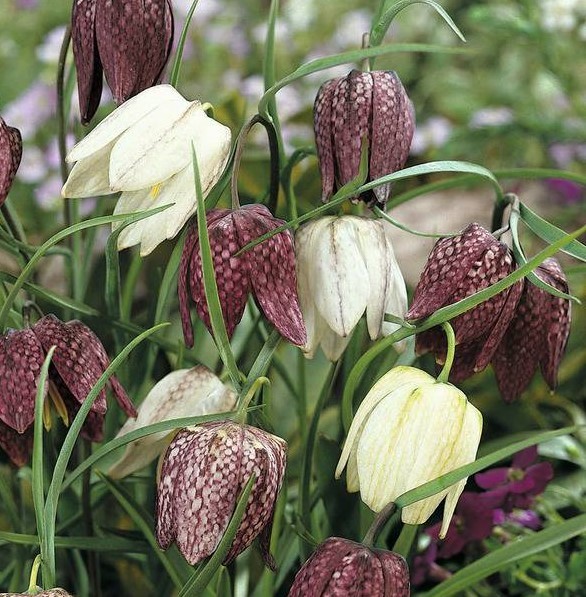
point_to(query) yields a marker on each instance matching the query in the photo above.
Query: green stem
(378, 523)
(451, 351)
(246, 398)
(93, 558)
(32, 585)
(405, 541)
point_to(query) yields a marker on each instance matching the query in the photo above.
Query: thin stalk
(93, 558)
(378, 523)
(405, 540)
(451, 340)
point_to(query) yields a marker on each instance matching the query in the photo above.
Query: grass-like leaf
(500, 559)
(174, 78)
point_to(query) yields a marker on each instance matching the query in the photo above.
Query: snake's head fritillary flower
(144, 149)
(78, 362)
(457, 267)
(363, 105)
(410, 429)
(346, 266)
(128, 40)
(342, 567)
(537, 335)
(203, 473)
(267, 270)
(10, 155)
(183, 393)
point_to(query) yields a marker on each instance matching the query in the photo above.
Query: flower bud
(410, 429)
(130, 40)
(267, 270)
(10, 154)
(343, 567)
(363, 105)
(203, 473)
(457, 267)
(356, 272)
(182, 393)
(536, 336)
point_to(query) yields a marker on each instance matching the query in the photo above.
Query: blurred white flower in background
(561, 15)
(492, 116)
(431, 134)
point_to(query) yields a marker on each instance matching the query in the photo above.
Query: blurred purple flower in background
(32, 108)
(564, 191)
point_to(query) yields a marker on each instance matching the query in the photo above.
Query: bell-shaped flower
(536, 336)
(342, 567)
(78, 362)
(183, 393)
(10, 154)
(129, 40)
(267, 270)
(144, 149)
(410, 429)
(457, 267)
(346, 266)
(372, 106)
(203, 473)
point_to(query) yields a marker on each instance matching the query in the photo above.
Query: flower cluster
(517, 330)
(78, 362)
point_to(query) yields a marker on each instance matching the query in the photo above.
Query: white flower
(143, 148)
(410, 429)
(346, 266)
(182, 393)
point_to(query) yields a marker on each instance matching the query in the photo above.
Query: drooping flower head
(203, 473)
(10, 155)
(182, 393)
(410, 429)
(536, 336)
(267, 270)
(144, 149)
(457, 267)
(129, 40)
(372, 106)
(346, 266)
(78, 362)
(342, 567)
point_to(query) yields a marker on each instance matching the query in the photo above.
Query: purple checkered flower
(267, 270)
(343, 567)
(129, 40)
(457, 267)
(10, 155)
(78, 361)
(536, 336)
(372, 106)
(203, 473)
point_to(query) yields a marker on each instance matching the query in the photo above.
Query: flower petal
(10, 156)
(322, 122)
(89, 176)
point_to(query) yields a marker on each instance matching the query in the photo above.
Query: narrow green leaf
(550, 233)
(38, 485)
(145, 524)
(500, 559)
(436, 485)
(29, 267)
(106, 544)
(320, 64)
(380, 29)
(174, 78)
(210, 286)
(385, 216)
(197, 583)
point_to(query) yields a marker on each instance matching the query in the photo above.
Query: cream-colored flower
(182, 393)
(346, 266)
(143, 148)
(410, 429)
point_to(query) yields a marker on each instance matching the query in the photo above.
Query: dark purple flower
(78, 361)
(130, 40)
(202, 476)
(537, 335)
(342, 567)
(457, 267)
(57, 592)
(518, 485)
(472, 522)
(565, 191)
(10, 155)
(267, 270)
(372, 106)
